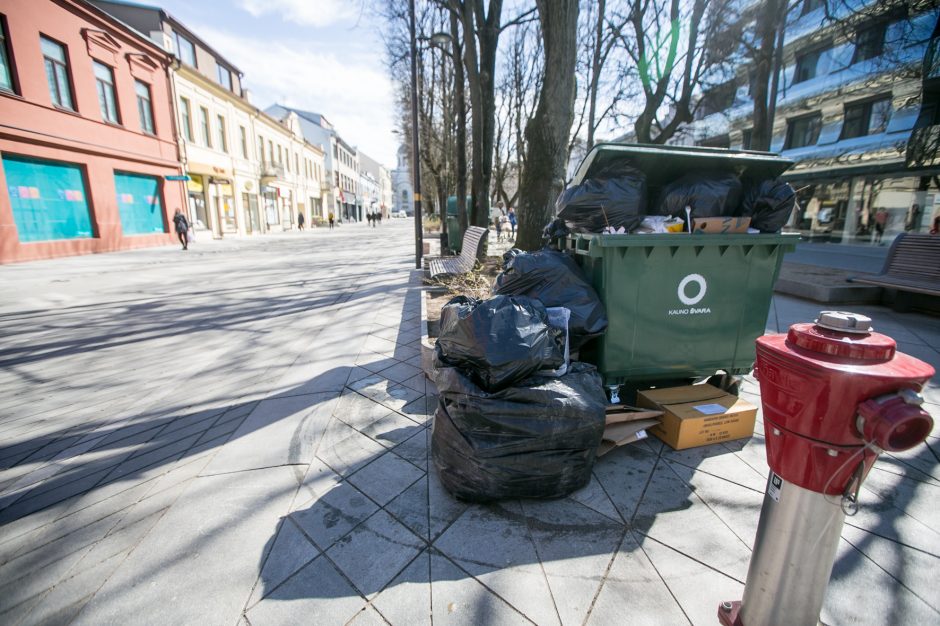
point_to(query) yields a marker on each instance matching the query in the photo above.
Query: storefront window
(49, 199)
(139, 204)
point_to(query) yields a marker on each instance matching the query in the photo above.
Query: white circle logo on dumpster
(696, 279)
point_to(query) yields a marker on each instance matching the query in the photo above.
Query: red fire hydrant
(835, 395)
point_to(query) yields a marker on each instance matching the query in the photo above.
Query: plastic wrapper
(615, 197)
(499, 341)
(707, 194)
(537, 439)
(769, 204)
(553, 278)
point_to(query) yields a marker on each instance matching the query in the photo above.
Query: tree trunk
(762, 131)
(461, 134)
(547, 131)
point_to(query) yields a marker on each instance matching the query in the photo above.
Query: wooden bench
(912, 265)
(468, 255)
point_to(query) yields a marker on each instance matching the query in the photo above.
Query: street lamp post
(415, 163)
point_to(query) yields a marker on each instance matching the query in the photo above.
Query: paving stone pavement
(239, 434)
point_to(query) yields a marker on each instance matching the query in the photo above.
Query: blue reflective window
(139, 204)
(49, 199)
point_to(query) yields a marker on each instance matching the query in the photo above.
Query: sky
(325, 56)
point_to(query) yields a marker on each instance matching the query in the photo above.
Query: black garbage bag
(769, 204)
(553, 278)
(537, 439)
(709, 194)
(500, 341)
(509, 255)
(553, 231)
(615, 196)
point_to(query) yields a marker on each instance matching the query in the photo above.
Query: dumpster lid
(663, 164)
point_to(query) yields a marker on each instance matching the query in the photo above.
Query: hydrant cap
(843, 335)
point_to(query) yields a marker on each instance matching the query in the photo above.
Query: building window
(187, 113)
(204, 127)
(144, 107)
(243, 135)
(223, 137)
(806, 64)
(746, 135)
(296, 164)
(271, 152)
(803, 131)
(139, 204)
(869, 42)
(866, 118)
(185, 49)
(225, 77)
(287, 158)
(57, 73)
(811, 5)
(104, 80)
(49, 199)
(6, 67)
(261, 149)
(280, 155)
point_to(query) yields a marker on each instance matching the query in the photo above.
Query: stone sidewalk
(271, 465)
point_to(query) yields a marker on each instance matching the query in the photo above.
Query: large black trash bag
(615, 196)
(500, 341)
(556, 280)
(769, 204)
(553, 232)
(709, 194)
(537, 439)
(509, 255)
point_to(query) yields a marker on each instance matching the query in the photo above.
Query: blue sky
(321, 55)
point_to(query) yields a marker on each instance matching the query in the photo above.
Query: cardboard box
(626, 424)
(721, 225)
(698, 415)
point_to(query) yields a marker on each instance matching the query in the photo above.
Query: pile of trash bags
(515, 418)
(615, 201)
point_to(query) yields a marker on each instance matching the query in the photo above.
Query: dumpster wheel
(725, 382)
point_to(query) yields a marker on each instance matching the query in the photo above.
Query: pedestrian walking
(881, 220)
(182, 228)
(512, 224)
(369, 218)
(300, 220)
(331, 218)
(498, 226)
(378, 216)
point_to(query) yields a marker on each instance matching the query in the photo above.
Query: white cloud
(351, 88)
(311, 12)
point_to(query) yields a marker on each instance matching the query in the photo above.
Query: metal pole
(794, 551)
(415, 162)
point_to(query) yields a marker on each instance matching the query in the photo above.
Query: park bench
(912, 265)
(465, 261)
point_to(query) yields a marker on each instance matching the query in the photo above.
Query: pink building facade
(87, 134)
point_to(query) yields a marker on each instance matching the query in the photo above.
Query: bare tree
(548, 131)
(675, 47)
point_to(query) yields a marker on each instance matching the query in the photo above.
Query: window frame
(179, 50)
(882, 27)
(64, 65)
(223, 132)
(6, 57)
(791, 128)
(818, 52)
(222, 70)
(186, 112)
(867, 108)
(205, 126)
(243, 136)
(102, 86)
(148, 99)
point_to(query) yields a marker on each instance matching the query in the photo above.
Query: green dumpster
(680, 305)
(454, 231)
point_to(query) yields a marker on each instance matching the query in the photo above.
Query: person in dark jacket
(182, 228)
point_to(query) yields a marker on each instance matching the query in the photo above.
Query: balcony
(923, 148)
(271, 171)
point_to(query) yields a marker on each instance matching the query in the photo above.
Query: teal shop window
(139, 204)
(49, 200)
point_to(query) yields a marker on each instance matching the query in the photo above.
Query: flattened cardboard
(622, 433)
(619, 413)
(690, 419)
(721, 225)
